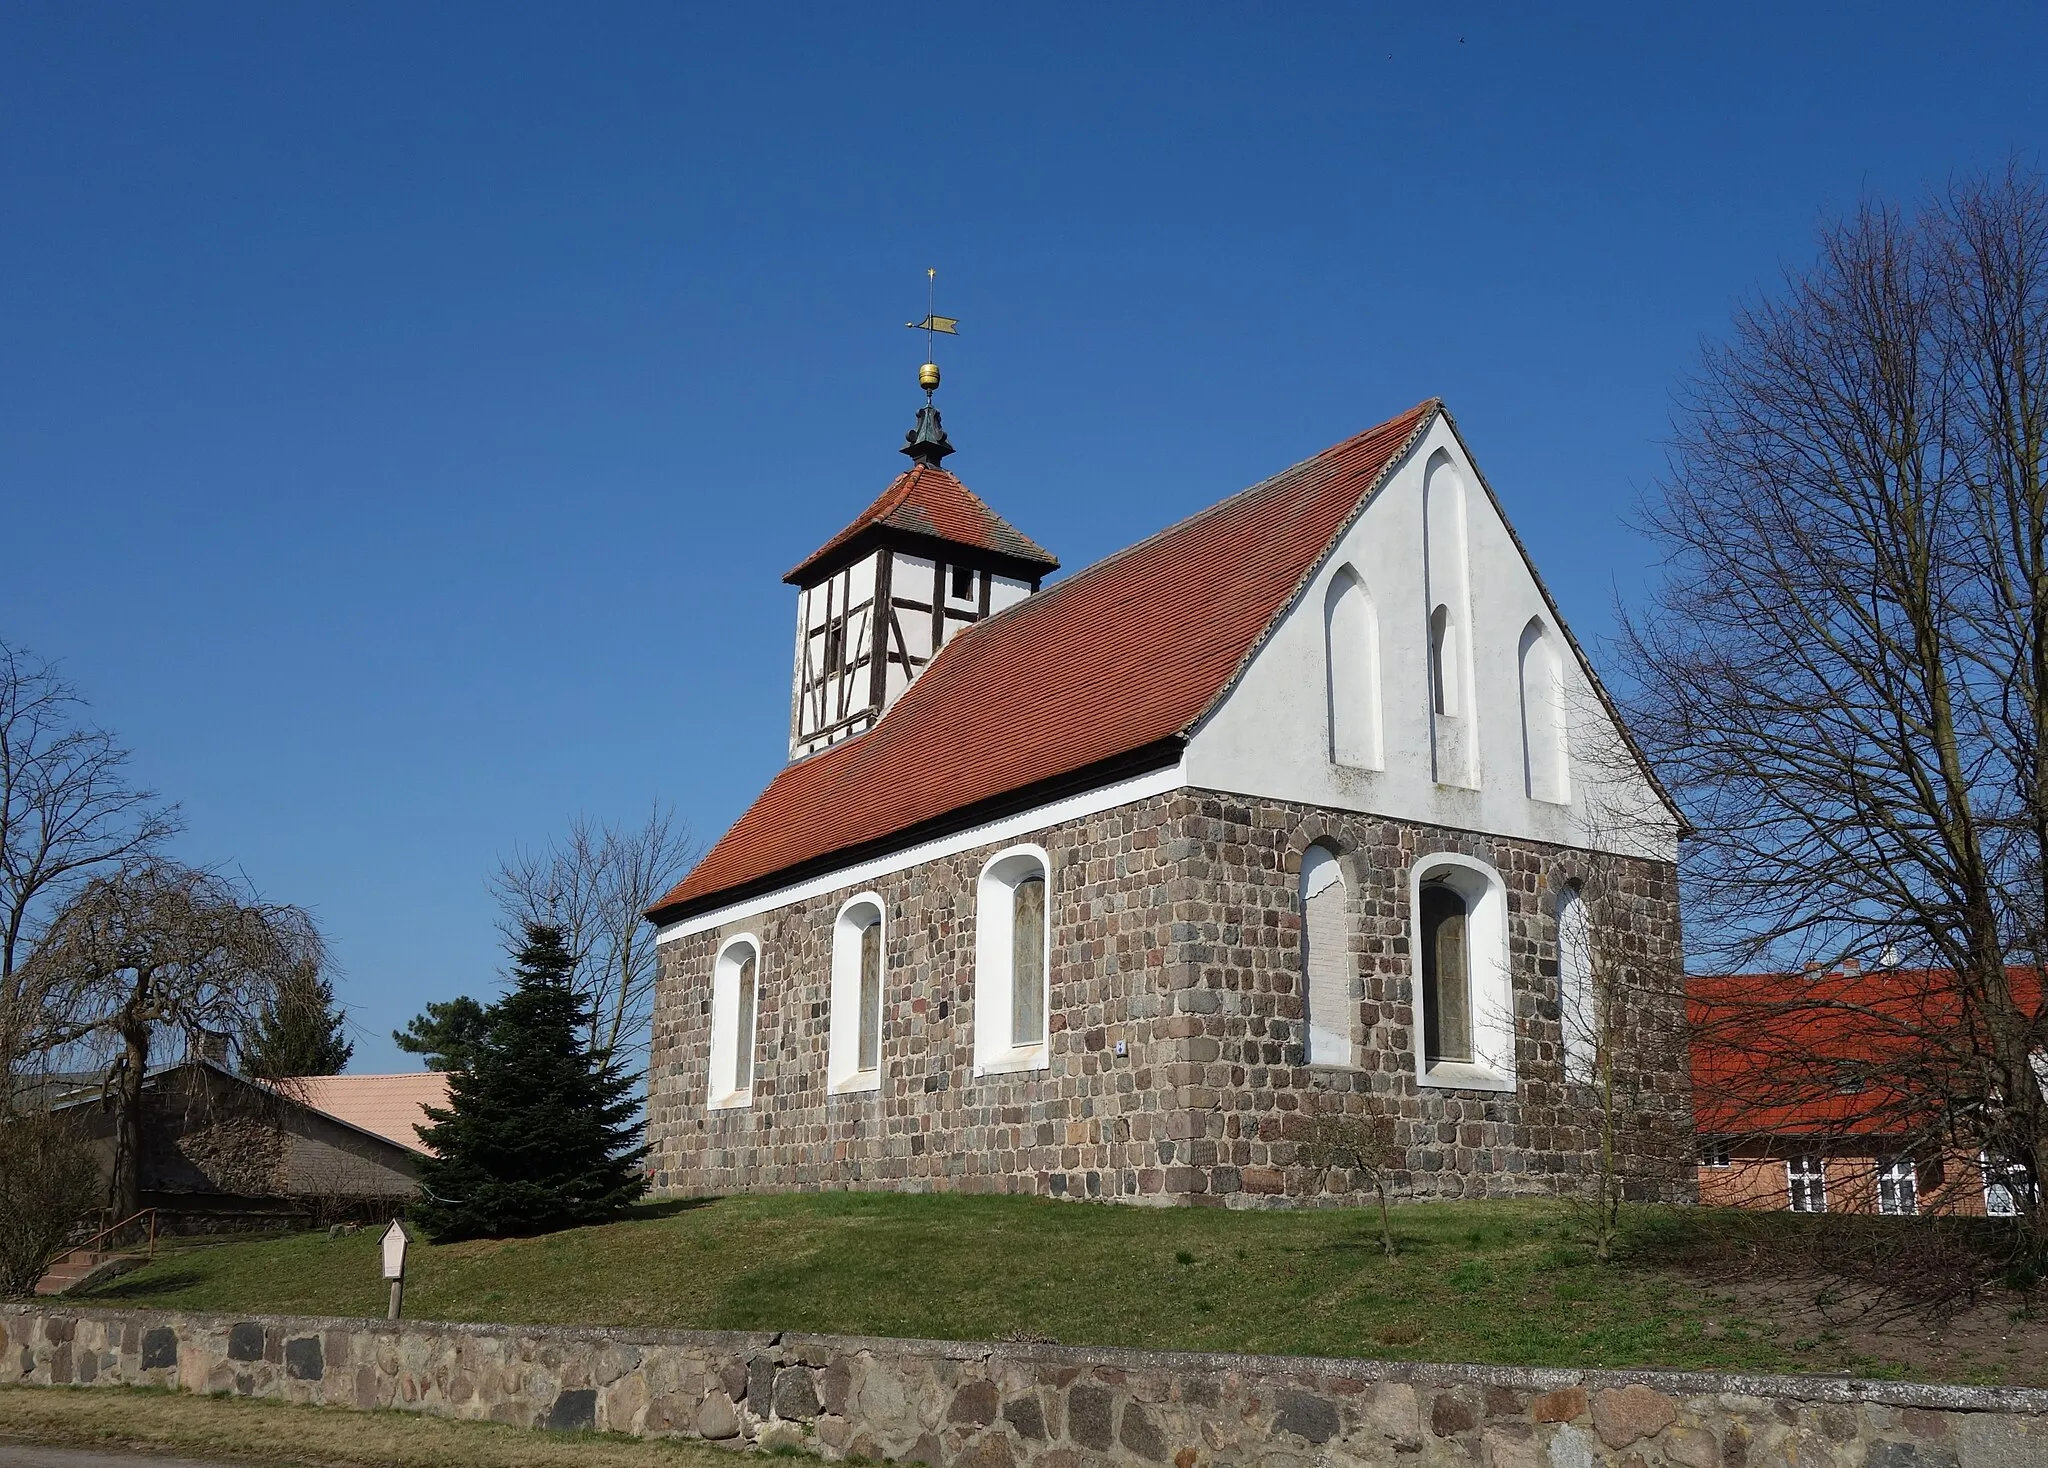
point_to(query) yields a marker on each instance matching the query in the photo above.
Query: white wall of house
(1431, 538)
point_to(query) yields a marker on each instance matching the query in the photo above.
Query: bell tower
(878, 601)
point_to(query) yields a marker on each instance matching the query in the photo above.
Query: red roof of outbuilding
(1835, 1053)
(1113, 661)
(930, 502)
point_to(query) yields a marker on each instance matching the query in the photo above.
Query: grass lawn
(1497, 1281)
(232, 1429)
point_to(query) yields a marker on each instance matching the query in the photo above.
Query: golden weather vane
(928, 374)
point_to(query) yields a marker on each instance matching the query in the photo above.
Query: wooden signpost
(394, 1264)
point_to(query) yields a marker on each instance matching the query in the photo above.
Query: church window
(854, 1044)
(1577, 1008)
(835, 646)
(1446, 982)
(1543, 716)
(1351, 658)
(1463, 994)
(963, 582)
(1326, 960)
(735, 1010)
(1027, 961)
(1807, 1180)
(1012, 963)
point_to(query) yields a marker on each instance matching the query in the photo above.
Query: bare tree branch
(1844, 675)
(595, 885)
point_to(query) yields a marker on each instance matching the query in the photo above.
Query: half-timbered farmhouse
(1112, 884)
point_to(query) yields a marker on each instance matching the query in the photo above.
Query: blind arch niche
(1351, 662)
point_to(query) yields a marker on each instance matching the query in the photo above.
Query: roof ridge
(1040, 598)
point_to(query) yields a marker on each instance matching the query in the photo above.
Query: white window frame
(842, 1047)
(1797, 1171)
(1492, 1067)
(2001, 1180)
(1716, 1155)
(995, 916)
(1895, 1170)
(720, 1093)
(1326, 1044)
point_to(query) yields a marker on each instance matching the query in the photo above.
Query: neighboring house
(1824, 1091)
(223, 1151)
(1097, 887)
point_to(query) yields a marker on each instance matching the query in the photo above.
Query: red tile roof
(392, 1106)
(1110, 662)
(930, 502)
(1835, 1054)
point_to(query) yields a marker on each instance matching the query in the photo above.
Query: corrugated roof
(1111, 661)
(391, 1106)
(930, 502)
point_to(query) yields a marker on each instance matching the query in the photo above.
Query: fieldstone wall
(961, 1405)
(1177, 1069)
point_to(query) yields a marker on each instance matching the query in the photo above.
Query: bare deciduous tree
(1356, 1134)
(595, 885)
(159, 948)
(49, 1181)
(1845, 673)
(66, 809)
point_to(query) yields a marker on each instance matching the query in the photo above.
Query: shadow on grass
(667, 1207)
(134, 1286)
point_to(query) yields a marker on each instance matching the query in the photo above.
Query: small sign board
(394, 1251)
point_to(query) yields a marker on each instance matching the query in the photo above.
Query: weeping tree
(67, 809)
(1844, 675)
(153, 951)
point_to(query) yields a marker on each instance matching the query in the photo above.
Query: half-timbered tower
(1116, 884)
(880, 598)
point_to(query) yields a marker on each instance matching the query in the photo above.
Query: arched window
(1443, 662)
(1446, 976)
(1544, 771)
(1576, 1008)
(854, 1046)
(1351, 660)
(1326, 959)
(1012, 962)
(1462, 989)
(735, 1010)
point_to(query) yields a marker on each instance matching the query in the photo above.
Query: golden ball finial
(928, 376)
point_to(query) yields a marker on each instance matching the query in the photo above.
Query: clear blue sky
(407, 412)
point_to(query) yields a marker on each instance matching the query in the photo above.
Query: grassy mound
(1502, 1281)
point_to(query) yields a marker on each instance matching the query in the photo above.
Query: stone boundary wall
(952, 1404)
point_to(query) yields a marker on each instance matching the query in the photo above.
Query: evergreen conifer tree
(539, 1133)
(300, 1033)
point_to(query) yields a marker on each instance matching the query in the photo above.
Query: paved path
(21, 1455)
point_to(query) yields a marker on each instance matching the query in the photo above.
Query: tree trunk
(127, 1179)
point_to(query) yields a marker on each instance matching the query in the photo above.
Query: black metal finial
(927, 442)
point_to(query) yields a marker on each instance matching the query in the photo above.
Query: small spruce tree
(301, 1032)
(539, 1133)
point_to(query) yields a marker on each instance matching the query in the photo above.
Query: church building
(1147, 881)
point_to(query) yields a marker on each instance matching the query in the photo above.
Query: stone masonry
(1177, 1071)
(964, 1405)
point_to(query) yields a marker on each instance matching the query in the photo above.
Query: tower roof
(1104, 672)
(925, 503)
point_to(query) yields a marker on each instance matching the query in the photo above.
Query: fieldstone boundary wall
(952, 1404)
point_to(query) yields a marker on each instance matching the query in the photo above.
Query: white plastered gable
(1432, 538)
